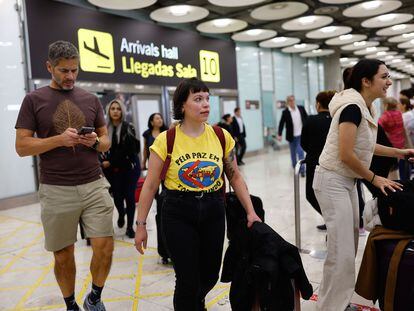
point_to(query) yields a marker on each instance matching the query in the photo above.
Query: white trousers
(338, 199)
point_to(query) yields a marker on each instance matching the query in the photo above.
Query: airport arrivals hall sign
(121, 50)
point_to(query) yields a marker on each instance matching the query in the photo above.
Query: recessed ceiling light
(328, 29)
(381, 53)
(179, 10)
(254, 32)
(277, 6)
(122, 4)
(408, 35)
(360, 43)
(371, 5)
(371, 49)
(343, 59)
(300, 46)
(317, 51)
(306, 20)
(221, 23)
(399, 27)
(345, 37)
(279, 39)
(386, 17)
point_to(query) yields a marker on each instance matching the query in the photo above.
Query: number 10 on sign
(209, 66)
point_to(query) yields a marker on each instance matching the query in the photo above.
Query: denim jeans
(296, 152)
(193, 230)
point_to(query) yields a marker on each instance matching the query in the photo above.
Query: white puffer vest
(365, 139)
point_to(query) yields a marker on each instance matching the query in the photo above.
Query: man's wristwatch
(96, 144)
(140, 223)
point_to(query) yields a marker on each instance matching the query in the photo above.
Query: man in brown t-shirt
(72, 187)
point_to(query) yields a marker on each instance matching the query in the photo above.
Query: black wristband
(372, 178)
(96, 144)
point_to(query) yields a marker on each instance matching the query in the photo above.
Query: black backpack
(396, 210)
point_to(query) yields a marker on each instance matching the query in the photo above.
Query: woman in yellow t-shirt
(193, 213)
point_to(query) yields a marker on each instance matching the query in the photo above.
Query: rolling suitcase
(395, 294)
(140, 183)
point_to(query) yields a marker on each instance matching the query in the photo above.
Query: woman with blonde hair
(121, 163)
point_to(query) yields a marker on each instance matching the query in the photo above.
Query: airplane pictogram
(96, 51)
(95, 48)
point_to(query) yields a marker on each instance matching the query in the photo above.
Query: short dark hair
(151, 118)
(407, 93)
(406, 103)
(324, 98)
(365, 68)
(183, 90)
(236, 109)
(226, 116)
(61, 49)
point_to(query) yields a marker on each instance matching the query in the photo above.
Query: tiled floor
(141, 282)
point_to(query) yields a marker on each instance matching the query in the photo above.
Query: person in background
(408, 120)
(407, 93)
(347, 155)
(155, 127)
(294, 117)
(239, 134)
(122, 162)
(392, 122)
(226, 123)
(313, 139)
(72, 187)
(193, 213)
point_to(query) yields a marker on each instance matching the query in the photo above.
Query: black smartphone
(86, 130)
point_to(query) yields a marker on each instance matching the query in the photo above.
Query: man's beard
(62, 86)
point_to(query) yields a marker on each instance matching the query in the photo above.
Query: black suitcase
(404, 287)
(396, 209)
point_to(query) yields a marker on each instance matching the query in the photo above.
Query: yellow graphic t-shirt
(196, 163)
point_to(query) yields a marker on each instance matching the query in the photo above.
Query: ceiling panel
(330, 8)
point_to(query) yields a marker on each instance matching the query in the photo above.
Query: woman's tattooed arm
(228, 165)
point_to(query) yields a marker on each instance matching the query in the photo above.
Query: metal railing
(319, 254)
(296, 189)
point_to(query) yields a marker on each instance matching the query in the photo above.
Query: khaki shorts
(64, 207)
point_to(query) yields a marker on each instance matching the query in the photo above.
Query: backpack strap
(220, 134)
(170, 147)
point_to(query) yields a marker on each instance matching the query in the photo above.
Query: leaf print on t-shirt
(68, 115)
